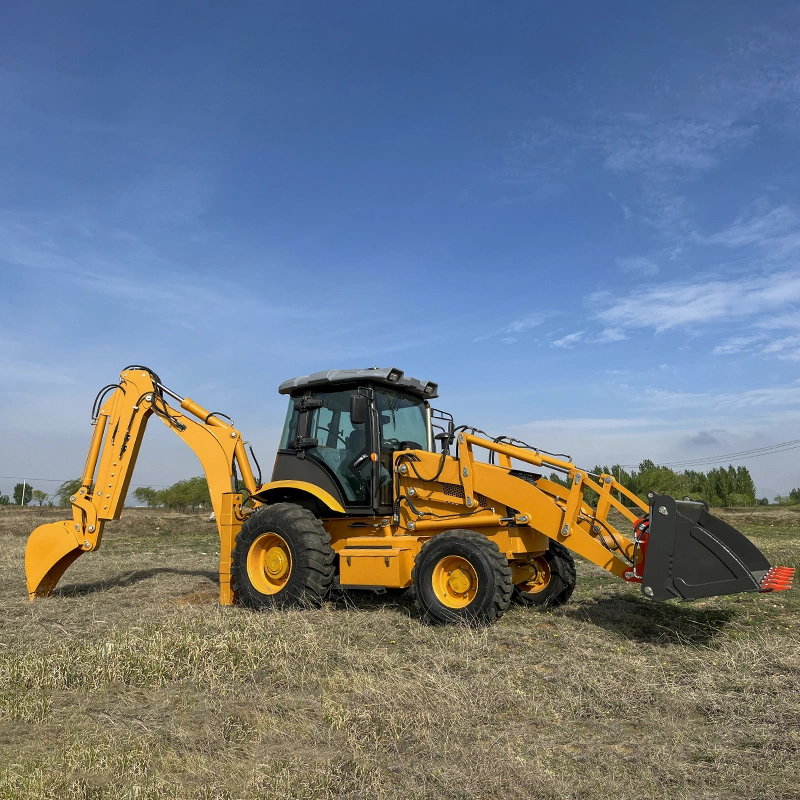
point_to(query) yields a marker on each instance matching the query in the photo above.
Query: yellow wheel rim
(455, 582)
(540, 579)
(269, 563)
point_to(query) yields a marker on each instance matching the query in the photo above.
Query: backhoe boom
(119, 427)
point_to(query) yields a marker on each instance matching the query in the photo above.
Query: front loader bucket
(50, 550)
(693, 554)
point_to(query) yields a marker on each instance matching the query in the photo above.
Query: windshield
(402, 419)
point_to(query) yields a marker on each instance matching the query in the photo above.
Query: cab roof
(389, 376)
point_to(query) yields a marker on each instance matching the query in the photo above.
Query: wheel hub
(455, 581)
(539, 579)
(275, 562)
(459, 581)
(269, 563)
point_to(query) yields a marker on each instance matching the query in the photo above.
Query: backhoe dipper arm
(118, 431)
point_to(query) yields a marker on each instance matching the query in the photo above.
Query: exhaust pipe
(689, 554)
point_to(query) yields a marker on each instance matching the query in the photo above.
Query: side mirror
(358, 409)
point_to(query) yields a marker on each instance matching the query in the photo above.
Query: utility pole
(22, 499)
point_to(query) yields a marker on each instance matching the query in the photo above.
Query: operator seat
(355, 446)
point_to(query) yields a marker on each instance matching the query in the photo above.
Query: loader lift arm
(692, 554)
(120, 419)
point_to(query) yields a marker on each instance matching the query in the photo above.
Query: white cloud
(776, 396)
(570, 340)
(758, 228)
(680, 304)
(736, 344)
(517, 326)
(787, 348)
(648, 143)
(610, 335)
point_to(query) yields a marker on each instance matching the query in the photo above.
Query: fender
(309, 488)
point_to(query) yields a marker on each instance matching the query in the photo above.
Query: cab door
(322, 445)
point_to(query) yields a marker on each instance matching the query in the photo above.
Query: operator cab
(343, 426)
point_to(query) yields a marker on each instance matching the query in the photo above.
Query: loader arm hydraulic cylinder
(118, 431)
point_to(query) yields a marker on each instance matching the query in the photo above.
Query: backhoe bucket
(693, 554)
(50, 550)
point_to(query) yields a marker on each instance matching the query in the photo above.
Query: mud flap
(693, 554)
(50, 550)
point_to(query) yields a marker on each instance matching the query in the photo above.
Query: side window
(290, 426)
(340, 445)
(321, 427)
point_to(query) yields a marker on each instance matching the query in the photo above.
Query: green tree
(794, 496)
(4, 501)
(186, 495)
(67, 490)
(148, 495)
(39, 497)
(731, 486)
(18, 498)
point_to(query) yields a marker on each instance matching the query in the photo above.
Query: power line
(60, 480)
(756, 452)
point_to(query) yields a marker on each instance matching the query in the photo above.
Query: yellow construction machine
(361, 497)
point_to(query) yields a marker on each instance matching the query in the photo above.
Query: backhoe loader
(361, 497)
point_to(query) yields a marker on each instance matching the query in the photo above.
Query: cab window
(341, 446)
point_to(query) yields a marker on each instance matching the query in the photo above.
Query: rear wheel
(461, 576)
(282, 557)
(552, 581)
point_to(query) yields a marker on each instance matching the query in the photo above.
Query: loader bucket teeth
(777, 579)
(693, 554)
(50, 550)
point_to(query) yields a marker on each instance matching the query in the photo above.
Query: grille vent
(457, 490)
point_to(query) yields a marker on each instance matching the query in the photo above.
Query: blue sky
(581, 219)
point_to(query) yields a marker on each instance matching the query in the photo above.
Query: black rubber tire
(313, 558)
(562, 580)
(494, 578)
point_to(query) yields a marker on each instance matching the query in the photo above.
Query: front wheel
(461, 576)
(552, 579)
(282, 557)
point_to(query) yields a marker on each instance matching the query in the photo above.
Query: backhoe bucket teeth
(50, 550)
(693, 554)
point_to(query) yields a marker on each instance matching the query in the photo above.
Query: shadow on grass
(401, 600)
(129, 579)
(642, 621)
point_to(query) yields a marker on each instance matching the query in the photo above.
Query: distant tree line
(719, 487)
(188, 495)
(791, 499)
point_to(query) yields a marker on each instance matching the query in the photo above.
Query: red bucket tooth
(777, 579)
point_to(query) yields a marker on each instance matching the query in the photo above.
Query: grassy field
(131, 682)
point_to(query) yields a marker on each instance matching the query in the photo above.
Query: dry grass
(132, 683)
